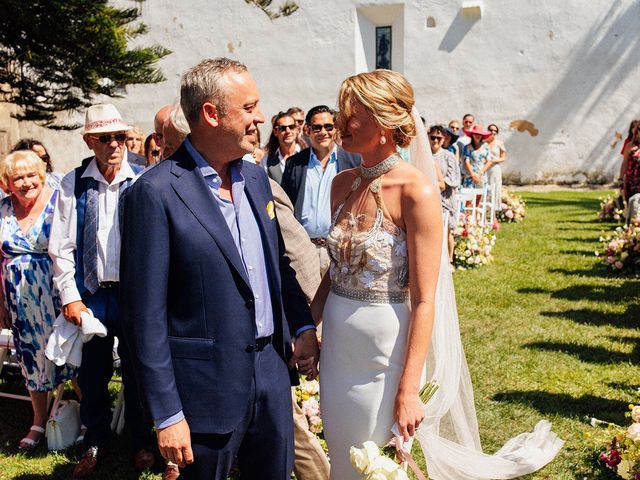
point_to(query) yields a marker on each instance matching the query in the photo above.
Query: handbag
(63, 425)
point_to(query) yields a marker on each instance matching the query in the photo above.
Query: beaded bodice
(368, 255)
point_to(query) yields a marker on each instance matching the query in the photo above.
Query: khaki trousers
(310, 461)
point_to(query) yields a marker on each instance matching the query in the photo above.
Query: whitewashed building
(559, 77)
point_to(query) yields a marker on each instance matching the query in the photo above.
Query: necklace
(380, 168)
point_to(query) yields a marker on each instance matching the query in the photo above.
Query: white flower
(367, 278)
(315, 424)
(382, 468)
(310, 386)
(377, 266)
(633, 432)
(310, 407)
(399, 474)
(401, 249)
(386, 238)
(624, 469)
(362, 458)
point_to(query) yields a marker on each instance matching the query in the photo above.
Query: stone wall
(559, 78)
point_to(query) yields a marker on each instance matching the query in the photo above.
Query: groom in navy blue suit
(209, 301)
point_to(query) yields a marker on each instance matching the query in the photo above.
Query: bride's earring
(383, 139)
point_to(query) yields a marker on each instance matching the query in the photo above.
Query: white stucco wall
(568, 67)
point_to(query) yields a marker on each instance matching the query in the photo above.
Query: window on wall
(383, 47)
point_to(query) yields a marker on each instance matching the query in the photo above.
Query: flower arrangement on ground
(385, 463)
(474, 244)
(610, 210)
(512, 207)
(622, 452)
(621, 250)
(308, 398)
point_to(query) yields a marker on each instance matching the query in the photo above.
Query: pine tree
(56, 55)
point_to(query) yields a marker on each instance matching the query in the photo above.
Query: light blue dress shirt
(246, 235)
(316, 208)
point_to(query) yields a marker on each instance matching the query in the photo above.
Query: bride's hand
(409, 412)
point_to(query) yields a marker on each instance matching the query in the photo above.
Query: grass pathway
(548, 334)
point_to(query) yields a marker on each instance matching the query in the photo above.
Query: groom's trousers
(263, 441)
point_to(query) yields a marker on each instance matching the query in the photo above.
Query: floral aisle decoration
(622, 448)
(512, 207)
(308, 398)
(474, 243)
(610, 210)
(385, 463)
(621, 249)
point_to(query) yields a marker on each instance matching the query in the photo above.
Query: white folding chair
(6, 345)
(472, 202)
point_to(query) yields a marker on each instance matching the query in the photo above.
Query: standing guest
(298, 115)
(476, 158)
(152, 151)
(173, 130)
(450, 170)
(467, 123)
(308, 175)
(258, 153)
(630, 169)
(220, 321)
(135, 139)
(158, 127)
(282, 144)
(451, 142)
(498, 156)
(630, 135)
(85, 248)
(52, 178)
(30, 301)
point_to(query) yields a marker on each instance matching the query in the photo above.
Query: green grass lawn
(548, 334)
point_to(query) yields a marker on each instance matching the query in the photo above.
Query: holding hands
(306, 354)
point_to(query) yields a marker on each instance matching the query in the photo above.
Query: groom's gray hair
(205, 83)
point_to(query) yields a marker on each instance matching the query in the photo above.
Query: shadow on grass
(598, 271)
(567, 405)
(596, 293)
(587, 353)
(629, 319)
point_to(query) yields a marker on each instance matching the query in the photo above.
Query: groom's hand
(174, 443)
(306, 354)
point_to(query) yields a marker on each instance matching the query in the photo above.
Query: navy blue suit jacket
(188, 313)
(294, 177)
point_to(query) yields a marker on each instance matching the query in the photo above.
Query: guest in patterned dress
(31, 302)
(52, 178)
(476, 158)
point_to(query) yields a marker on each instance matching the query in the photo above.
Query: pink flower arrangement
(610, 210)
(621, 250)
(308, 399)
(474, 244)
(512, 207)
(622, 452)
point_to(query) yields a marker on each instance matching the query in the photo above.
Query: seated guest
(30, 300)
(450, 171)
(282, 144)
(52, 178)
(308, 175)
(476, 158)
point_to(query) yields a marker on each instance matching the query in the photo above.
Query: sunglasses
(300, 122)
(454, 128)
(436, 139)
(493, 131)
(45, 157)
(155, 153)
(284, 128)
(108, 138)
(317, 128)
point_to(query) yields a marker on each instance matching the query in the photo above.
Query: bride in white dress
(388, 307)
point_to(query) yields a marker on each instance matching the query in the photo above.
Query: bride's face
(360, 133)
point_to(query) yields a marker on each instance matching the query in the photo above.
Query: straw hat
(103, 118)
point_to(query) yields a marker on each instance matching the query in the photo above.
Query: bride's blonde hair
(386, 95)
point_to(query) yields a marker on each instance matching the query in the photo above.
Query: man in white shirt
(85, 249)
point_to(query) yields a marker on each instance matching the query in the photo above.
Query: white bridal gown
(365, 325)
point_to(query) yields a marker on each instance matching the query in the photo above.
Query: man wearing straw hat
(85, 248)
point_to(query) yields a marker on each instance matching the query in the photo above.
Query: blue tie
(90, 238)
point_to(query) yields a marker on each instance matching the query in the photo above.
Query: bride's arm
(317, 305)
(420, 205)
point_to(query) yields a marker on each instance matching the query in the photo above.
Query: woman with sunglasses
(152, 151)
(283, 143)
(476, 158)
(498, 156)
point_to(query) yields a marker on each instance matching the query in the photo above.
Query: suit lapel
(190, 186)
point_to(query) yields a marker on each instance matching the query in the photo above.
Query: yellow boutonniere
(270, 210)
